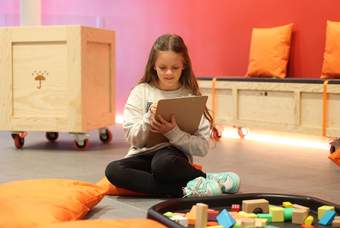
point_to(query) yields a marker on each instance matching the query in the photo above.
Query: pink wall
(217, 32)
(9, 12)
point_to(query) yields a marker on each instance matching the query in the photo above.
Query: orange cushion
(122, 223)
(44, 201)
(112, 190)
(331, 56)
(335, 157)
(269, 51)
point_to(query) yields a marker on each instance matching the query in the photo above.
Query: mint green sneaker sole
(236, 182)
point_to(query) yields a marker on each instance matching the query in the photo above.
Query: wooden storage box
(290, 105)
(56, 78)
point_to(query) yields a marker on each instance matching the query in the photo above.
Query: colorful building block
(265, 216)
(235, 207)
(323, 209)
(309, 220)
(225, 219)
(287, 204)
(299, 216)
(288, 213)
(277, 214)
(327, 219)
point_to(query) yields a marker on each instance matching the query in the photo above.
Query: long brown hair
(172, 42)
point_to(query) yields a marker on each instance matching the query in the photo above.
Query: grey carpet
(262, 167)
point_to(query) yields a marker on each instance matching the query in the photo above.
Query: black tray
(225, 201)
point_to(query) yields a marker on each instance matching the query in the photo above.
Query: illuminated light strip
(119, 119)
(298, 141)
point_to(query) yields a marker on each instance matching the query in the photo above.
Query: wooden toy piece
(265, 216)
(287, 204)
(323, 209)
(168, 214)
(212, 223)
(259, 222)
(299, 216)
(212, 214)
(225, 219)
(306, 226)
(288, 213)
(180, 219)
(235, 207)
(300, 207)
(247, 222)
(336, 221)
(327, 219)
(243, 214)
(309, 220)
(218, 226)
(250, 205)
(201, 215)
(191, 215)
(277, 214)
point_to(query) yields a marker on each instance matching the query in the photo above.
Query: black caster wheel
(81, 145)
(242, 132)
(106, 137)
(52, 136)
(18, 141)
(332, 149)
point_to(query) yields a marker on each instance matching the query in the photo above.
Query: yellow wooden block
(309, 220)
(277, 214)
(243, 214)
(287, 204)
(323, 209)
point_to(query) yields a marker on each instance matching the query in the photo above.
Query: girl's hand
(153, 108)
(162, 126)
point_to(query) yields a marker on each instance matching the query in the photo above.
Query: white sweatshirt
(136, 124)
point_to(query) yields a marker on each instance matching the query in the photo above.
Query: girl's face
(169, 66)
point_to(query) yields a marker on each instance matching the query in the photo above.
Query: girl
(166, 169)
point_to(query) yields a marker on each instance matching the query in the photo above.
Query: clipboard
(188, 112)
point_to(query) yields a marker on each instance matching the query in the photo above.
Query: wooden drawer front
(266, 106)
(40, 79)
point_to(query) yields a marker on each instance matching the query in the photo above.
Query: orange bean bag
(121, 223)
(29, 203)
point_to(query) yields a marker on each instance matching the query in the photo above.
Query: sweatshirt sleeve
(196, 144)
(136, 119)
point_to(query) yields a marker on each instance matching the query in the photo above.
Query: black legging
(163, 173)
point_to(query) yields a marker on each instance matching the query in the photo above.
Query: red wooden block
(235, 207)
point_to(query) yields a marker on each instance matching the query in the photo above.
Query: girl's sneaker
(229, 181)
(201, 186)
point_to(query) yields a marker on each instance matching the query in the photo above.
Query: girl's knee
(112, 170)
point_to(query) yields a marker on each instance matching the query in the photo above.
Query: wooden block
(336, 221)
(288, 213)
(309, 220)
(299, 216)
(265, 216)
(212, 214)
(225, 219)
(180, 219)
(287, 204)
(323, 209)
(259, 222)
(327, 219)
(201, 215)
(247, 222)
(235, 207)
(56, 78)
(300, 207)
(277, 214)
(250, 205)
(191, 215)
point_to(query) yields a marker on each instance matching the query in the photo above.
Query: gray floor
(262, 168)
